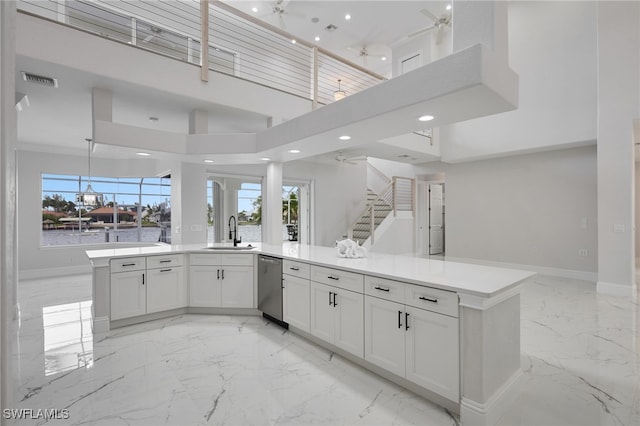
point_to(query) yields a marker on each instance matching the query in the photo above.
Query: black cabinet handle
(128, 264)
(382, 289)
(406, 320)
(333, 278)
(166, 270)
(330, 293)
(223, 274)
(218, 273)
(399, 319)
(295, 269)
(334, 299)
(428, 300)
(165, 261)
(142, 279)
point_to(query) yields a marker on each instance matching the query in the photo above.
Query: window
(131, 210)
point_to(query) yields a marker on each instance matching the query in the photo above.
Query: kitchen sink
(230, 248)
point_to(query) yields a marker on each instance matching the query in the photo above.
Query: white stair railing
(396, 196)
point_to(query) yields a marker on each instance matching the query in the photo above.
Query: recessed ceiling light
(293, 41)
(317, 38)
(266, 159)
(254, 9)
(344, 137)
(143, 154)
(294, 151)
(426, 118)
(384, 58)
(448, 7)
(347, 16)
(208, 161)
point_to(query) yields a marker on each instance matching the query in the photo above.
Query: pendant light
(89, 197)
(339, 94)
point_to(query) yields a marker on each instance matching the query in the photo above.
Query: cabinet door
(432, 352)
(128, 294)
(236, 287)
(165, 289)
(322, 313)
(349, 322)
(204, 286)
(384, 336)
(295, 302)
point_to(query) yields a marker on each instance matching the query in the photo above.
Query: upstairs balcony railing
(237, 44)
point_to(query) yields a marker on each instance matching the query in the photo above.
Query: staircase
(396, 196)
(361, 229)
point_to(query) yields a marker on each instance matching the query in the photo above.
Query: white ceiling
(59, 120)
(376, 24)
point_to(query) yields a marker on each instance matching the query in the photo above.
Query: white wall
(526, 209)
(398, 238)
(552, 48)
(637, 209)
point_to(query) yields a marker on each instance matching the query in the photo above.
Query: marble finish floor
(580, 355)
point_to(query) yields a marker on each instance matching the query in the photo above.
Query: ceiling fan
(341, 158)
(439, 24)
(279, 9)
(363, 53)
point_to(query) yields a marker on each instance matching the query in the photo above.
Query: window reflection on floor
(68, 341)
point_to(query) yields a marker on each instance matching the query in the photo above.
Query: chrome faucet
(233, 232)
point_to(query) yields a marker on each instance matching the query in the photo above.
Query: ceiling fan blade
(439, 34)
(422, 31)
(148, 38)
(429, 15)
(296, 15)
(283, 25)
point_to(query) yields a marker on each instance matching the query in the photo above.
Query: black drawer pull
(218, 273)
(223, 274)
(406, 320)
(428, 300)
(399, 319)
(333, 278)
(382, 289)
(294, 269)
(165, 261)
(128, 264)
(330, 293)
(142, 279)
(334, 299)
(166, 270)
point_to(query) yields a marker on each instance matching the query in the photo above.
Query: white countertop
(476, 280)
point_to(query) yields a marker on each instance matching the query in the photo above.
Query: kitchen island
(448, 331)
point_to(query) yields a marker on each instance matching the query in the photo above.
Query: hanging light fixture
(89, 197)
(339, 94)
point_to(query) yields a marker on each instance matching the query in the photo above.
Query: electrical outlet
(583, 252)
(618, 227)
(196, 228)
(534, 249)
(584, 223)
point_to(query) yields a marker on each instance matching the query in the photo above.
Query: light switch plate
(618, 227)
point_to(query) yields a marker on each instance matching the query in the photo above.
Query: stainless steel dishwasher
(270, 288)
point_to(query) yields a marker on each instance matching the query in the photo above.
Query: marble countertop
(476, 280)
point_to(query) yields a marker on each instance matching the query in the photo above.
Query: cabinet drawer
(234, 259)
(432, 299)
(127, 264)
(171, 260)
(384, 288)
(337, 278)
(204, 259)
(297, 269)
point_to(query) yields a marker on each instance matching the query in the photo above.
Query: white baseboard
(100, 325)
(30, 274)
(614, 289)
(556, 272)
(488, 413)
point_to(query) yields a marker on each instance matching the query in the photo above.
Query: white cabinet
(296, 300)
(144, 285)
(412, 342)
(166, 288)
(221, 280)
(337, 313)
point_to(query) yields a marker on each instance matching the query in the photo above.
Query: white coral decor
(351, 249)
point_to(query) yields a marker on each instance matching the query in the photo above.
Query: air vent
(330, 28)
(39, 79)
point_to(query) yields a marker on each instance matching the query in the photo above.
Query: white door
(322, 314)
(204, 286)
(236, 289)
(128, 294)
(295, 302)
(384, 324)
(349, 332)
(165, 289)
(432, 352)
(436, 219)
